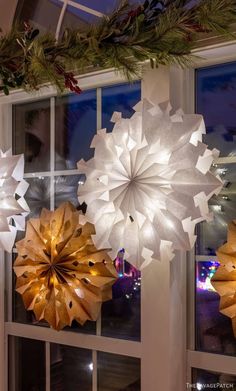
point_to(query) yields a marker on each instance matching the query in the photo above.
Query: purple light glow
(205, 271)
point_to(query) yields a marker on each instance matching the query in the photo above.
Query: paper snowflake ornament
(13, 207)
(224, 280)
(60, 273)
(149, 183)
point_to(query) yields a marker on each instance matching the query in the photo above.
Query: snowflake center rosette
(149, 183)
(60, 273)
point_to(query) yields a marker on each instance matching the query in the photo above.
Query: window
(211, 334)
(215, 95)
(145, 322)
(54, 133)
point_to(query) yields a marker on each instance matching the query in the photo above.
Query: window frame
(211, 55)
(130, 348)
(154, 349)
(182, 92)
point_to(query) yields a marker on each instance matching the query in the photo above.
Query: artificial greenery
(163, 32)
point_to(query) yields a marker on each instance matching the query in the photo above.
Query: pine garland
(164, 32)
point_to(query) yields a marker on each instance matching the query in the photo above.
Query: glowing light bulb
(90, 366)
(53, 280)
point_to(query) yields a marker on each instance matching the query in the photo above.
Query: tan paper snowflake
(60, 273)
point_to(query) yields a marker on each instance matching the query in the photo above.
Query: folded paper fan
(149, 183)
(60, 273)
(224, 280)
(13, 207)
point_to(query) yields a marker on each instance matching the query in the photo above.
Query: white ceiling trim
(84, 8)
(60, 20)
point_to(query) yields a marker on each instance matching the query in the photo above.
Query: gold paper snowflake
(60, 273)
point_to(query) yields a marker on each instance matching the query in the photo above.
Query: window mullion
(61, 17)
(95, 373)
(9, 286)
(191, 299)
(52, 153)
(48, 366)
(99, 108)
(99, 126)
(2, 312)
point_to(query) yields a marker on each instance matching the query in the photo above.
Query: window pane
(43, 14)
(213, 234)
(214, 331)
(31, 134)
(121, 98)
(66, 188)
(121, 315)
(215, 99)
(71, 368)
(118, 373)
(77, 18)
(26, 364)
(76, 118)
(105, 6)
(19, 313)
(38, 195)
(208, 380)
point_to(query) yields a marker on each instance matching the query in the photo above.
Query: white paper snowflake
(149, 182)
(13, 207)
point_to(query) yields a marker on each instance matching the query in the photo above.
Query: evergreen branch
(163, 32)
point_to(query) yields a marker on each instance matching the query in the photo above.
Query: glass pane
(38, 195)
(26, 364)
(207, 380)
(105, 6)
(119, 98)
(77, 18)
(118, 373)
(213, 234)
(214, 331)
(215, 99)
(43, 14)
(71, 368)
(19, 313)
(31, 134)
(66, 188)
(76, 119)
(121, 316)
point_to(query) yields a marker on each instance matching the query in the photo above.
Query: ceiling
(55, 15)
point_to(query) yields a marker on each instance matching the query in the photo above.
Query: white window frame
(162, 349)
(91, 342)
(185, 79)
(163, 300)
(158, 322)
